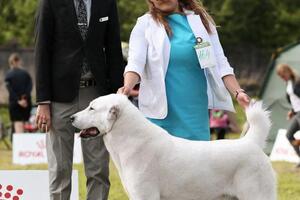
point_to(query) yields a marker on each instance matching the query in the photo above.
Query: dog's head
(101, 114)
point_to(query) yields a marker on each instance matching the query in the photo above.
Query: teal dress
(186, 86)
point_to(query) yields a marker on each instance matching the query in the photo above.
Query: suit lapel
(94, 6)
(198, 27)
(160, 41)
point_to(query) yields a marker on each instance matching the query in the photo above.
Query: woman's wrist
(131, 79)
(238, 91)
(129, 86)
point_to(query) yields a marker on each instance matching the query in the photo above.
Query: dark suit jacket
(60, 49)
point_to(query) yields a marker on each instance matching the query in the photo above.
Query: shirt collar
(188, 12)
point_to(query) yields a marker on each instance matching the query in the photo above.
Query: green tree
(266, 24)
(17, 21)
(129, 11)
(288, 24)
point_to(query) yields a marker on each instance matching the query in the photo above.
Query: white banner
(30, 148)
(30, 185)
(282, 149)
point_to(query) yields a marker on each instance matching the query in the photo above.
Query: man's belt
(87, 83)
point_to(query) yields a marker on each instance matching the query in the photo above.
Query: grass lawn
(116, 191)
(288, 176)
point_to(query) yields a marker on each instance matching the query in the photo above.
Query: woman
(176, 91)
(286, 73)
(19, 86)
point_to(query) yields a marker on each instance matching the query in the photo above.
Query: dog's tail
(259, 124)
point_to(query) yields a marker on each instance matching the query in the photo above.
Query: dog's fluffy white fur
(154, 165)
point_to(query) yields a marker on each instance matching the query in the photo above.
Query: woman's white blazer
(149, 53)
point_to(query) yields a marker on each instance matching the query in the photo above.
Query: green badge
(205, 54)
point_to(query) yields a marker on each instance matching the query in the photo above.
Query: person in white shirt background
(177, 85)
(286, 73)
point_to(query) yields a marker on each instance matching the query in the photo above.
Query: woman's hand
(243, 99)
(234, 87)
(130, 81)
(43, 117)
(124, 90)
(128, 91)
(290, 114)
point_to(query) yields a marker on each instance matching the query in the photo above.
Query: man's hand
(43, 117)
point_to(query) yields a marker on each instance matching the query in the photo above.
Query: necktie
(83, 28)
(82, 19)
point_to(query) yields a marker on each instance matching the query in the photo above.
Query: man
(78, 58)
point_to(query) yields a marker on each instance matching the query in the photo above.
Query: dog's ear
(113, 113)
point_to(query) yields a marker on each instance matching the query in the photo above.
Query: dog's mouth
(90, 132)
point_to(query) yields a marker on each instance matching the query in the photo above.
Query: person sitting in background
(286, 73)
(219, 123)
(19, 86)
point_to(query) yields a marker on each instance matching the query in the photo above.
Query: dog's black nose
(72, 118)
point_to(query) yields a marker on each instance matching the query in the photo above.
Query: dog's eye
(91, 108)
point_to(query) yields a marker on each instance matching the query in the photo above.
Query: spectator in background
(286, 73)
(219, 123)
(19, 86)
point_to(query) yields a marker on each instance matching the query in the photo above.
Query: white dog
(154, 165)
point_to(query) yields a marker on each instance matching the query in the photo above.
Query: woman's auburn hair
(282, 68)
(193, 5)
